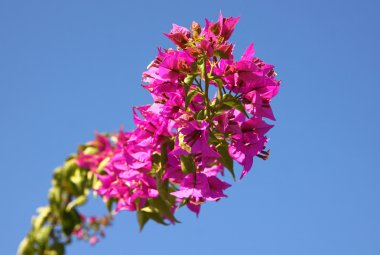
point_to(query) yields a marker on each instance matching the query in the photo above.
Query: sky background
(69, 68)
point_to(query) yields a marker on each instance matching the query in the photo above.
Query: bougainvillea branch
(182, 144)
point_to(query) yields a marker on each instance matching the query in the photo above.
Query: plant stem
(207, 84)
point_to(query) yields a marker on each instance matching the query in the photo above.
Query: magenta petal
(235, 153)
(179, 35)
(249, 52)
(153, 193)
(194, 185)
(185, 193)
(194, 208)
(247, 164)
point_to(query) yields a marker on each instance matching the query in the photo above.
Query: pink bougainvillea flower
(93, 240)
(249, 143)
(216, 188)
(207, 46)
(257, 105)
(227, 26)
(134, 187)
(179, 35)
(107, 182)
(173, 169)
(248, 53)
(195, 137)
(151, 127)
(224, 50)
(194, 206)
(230, 121)
(171, 108)
(175, 65)
(199, 187)
(160, 90)
(247, 75)
(195, 186)
(138, 157)
(102, 149)
(222, 28)
(213, 170)
(78, 233)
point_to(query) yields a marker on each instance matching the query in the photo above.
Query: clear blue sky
(68, 68)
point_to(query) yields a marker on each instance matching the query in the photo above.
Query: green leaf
(163, 188)
(225, 158)
(218, 81)
(190, 96)
(157, 218)
(25, 247)
(79, 179)
(148, 213)
(187, 164)
(57, 176)
(58, 248)
(201, 115)
(69, 221)
(220, 88)
(109, 204)
(142, 219)
(93, 182)
(194, 67)
(55, 197)
(221, 54)
(184, 202)
(150, 209)
(232, 102)
(42, 236)
(103, 164)
(40, 220)
(77, 201)
(164, 153)
(182, 143)
(90, 150)
(156, 157)
(189, 79)
(201, 66)
(69, 167)
(159, 204)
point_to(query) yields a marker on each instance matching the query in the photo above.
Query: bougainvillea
(182, 144)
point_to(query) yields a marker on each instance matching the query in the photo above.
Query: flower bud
(196, 28)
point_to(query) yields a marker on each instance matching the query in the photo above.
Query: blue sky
(68, 68)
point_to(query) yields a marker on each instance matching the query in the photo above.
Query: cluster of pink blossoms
(185, 139)
(91, 228)
(209, 110)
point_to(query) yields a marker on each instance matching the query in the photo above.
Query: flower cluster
(91, 228)
(208, 111)
(94, 155)
(185, 139)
